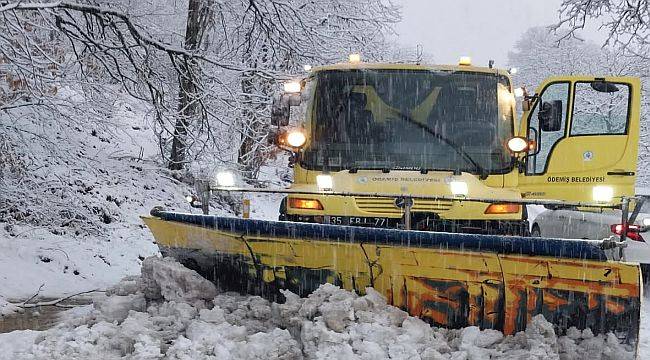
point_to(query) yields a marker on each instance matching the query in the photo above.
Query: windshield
(415, 119)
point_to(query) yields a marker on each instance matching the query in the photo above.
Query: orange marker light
(503, 209)
(310, 204)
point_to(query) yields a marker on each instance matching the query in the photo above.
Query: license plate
(361, 221)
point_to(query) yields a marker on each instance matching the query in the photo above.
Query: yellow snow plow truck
(414, 180)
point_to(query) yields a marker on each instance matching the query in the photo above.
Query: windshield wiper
(385, 166)
(482, 173)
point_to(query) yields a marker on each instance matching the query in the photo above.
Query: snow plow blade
(449, 280)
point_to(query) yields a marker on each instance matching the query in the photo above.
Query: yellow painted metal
(446, 287)
(403, 66)
(405, 182)
(609, 153)
(402, 182)
(555, 283)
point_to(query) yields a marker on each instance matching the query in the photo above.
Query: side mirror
(603, 86)
(281, 108)
(550, 115)
(280, 113)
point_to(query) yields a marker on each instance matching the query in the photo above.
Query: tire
(645, 272)
(535, 232)
(282, 211)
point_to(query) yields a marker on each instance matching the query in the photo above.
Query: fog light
(292, 87)
(459, 188)
(603, 193)
(309, 204)
(324, 182)
(503, 209)
(225, 179)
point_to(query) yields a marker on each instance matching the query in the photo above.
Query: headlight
(296, 138)
(225, 179)
(603, 193)
(292, 87)
(459, 188)
(646, 222)
(518, 144)
(324, 182)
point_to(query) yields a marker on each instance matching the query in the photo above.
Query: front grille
(387, 205)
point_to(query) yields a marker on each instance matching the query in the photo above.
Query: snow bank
(171, 313)
(72, 195)
(35, 260)
(169, 280)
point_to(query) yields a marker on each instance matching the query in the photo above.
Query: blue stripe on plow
(559, 248)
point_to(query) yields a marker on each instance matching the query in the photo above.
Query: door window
(600, 110)
(536, 164)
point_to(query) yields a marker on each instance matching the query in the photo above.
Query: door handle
(621, 173)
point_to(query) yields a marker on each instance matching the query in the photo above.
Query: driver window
(536, 164)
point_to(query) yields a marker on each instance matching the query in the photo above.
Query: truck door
(586, 131)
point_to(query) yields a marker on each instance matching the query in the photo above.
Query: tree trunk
(246, 152)
(199, 16)
(253, 153)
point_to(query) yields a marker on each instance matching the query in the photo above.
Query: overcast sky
(484, 30)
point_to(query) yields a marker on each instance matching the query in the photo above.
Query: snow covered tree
(199, 17)
(275, 37)
(627, 22)
(201, 79)
(224, 86)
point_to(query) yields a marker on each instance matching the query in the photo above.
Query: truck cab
(367, 138)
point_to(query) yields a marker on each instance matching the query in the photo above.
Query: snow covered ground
(70, 218)
(172, 313)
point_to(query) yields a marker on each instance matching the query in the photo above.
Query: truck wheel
(283, 210)
(535, 232)
(645, 273)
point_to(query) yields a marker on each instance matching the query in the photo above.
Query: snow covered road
(172, 313)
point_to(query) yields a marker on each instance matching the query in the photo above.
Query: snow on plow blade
(449, 280)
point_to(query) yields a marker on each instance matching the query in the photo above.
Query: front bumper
(485, 227)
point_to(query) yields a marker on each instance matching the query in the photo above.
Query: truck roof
(408, 66)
